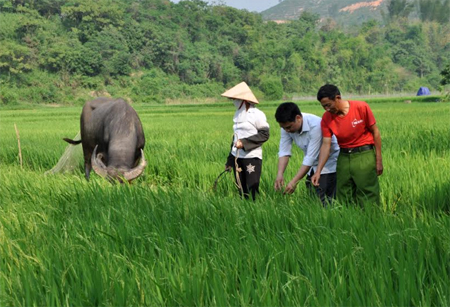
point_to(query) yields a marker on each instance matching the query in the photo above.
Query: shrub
(8, 95)
(271, 87)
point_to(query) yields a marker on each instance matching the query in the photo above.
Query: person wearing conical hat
(251, 130)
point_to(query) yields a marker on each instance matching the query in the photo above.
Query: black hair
(328, 91)
(287, 112)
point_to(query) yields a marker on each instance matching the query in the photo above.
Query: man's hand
(228, 168)
(379, 167)
(315, 179)
(279, 183)
(292, 185)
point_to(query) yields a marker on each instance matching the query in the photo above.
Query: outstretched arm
(292, 185)
(282, 164)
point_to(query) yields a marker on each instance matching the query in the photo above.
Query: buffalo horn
(97, 164)
(137, 171)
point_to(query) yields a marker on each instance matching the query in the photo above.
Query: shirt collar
(305, 125)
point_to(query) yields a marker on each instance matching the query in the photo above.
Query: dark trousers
(249, 176)
(326, 189)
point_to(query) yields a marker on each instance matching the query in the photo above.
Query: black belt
(356, 149)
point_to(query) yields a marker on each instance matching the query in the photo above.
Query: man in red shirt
(359, 163)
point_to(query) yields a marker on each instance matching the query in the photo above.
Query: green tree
(272, 87)
(14, 58)
(446, 80)
(398, 9)
(112, 49)
(434, 10)
(87, 18)
(445, 75)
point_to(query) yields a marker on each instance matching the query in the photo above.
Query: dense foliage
(153, 50)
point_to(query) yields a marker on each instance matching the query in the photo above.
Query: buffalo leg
(87, 152)
(87, 170)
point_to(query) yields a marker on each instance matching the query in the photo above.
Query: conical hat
(241, 91)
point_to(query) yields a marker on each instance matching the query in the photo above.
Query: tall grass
(169, 239)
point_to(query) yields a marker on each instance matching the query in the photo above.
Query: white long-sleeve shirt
(309, 140)
(245, 124)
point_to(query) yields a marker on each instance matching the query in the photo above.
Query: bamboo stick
(18, 142)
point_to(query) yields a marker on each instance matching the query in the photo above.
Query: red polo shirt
(352, 130)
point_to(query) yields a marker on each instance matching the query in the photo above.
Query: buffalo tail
(72, 141)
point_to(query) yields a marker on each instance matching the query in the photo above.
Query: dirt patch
(356, 6)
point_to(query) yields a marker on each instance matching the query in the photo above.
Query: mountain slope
(343, 11)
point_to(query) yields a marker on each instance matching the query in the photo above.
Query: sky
(251, 5)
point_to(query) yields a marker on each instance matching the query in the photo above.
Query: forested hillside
(60, 51)
(351, 12)
(346, 12)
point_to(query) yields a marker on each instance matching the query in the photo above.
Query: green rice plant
(169, 239)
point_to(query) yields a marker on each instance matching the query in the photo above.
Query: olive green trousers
(357, 180)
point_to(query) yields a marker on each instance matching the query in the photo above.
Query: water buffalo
(112, 138)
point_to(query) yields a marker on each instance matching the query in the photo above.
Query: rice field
(170, 239)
